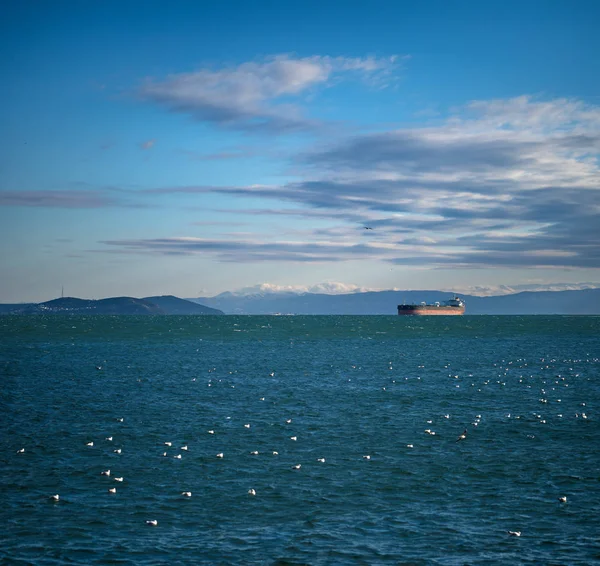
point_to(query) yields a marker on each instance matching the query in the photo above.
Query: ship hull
(429, 311)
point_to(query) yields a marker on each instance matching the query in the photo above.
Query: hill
(166, 305)
(175, 305)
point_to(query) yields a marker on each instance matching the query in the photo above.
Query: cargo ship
(454, 306)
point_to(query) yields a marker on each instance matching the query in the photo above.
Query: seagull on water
(117, 451)
(367, 457)
(246, 426)
(211, 432)
(322, 460)
(118, 479)
(275, 453)
(152, 523)
(514, 533)
(105, 473)
(178, 457)
(90, 444)
(254, 453)
(297, 467)
(186, 493)
(20, 451)
(251, 492)
(109, 438)
(293, 438)
(220, 455)
(184, 447)
(562, 499)
(462, 436)
(168, 444)
(55, 497)
(112, 490)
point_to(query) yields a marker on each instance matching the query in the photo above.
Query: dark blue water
(526, 389)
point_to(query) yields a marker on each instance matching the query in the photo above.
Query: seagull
(322, 460)
(220, 455)
(168, 444)
(152, 523)
(246, 426)
(164, 453)
(462, 436)
(118, 479)
(410, 446)
(186, 493)
(514, 533)
(90, 444)
(211, 432)
(293, 438)
(109, 438)
(106, 473)
(288, 421)
(562, 499)
(178, 457)
(117, 451)
(184, 447)
(367, 457)
(112, 490)
(275, 453)
(20, 451)
(297, 467)
(251, 492)
(55, 497)
(254, 453)
(120, 420)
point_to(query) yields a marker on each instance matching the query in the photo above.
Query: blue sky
(192, 148)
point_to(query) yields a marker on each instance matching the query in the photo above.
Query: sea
(290, 440)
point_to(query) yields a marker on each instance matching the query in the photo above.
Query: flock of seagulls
(546, 392)
(252, 491)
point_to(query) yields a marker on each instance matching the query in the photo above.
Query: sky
(193, 148)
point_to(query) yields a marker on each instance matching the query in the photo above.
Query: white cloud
(495, 290)
(326, 288)
(512, 183)
(255, 95)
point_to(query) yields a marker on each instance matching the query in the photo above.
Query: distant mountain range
(585, 301)
(167, 304)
